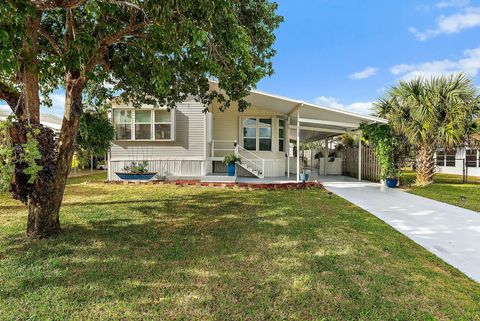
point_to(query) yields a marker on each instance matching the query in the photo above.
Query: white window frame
(257, 127)
(152, 124)
(284, 134)
(132, 132)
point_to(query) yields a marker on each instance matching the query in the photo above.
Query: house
(462, 161)
(188, 142)
(51, 121)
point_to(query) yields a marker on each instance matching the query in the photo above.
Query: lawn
(166, 252)
(449, 189)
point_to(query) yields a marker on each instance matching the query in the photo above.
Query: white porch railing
(250, 161)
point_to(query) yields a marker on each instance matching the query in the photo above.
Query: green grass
(165, 252)
(449, 189)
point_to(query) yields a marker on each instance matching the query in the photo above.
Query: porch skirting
(163, 168)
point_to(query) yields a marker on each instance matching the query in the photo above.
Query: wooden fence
(370, 167)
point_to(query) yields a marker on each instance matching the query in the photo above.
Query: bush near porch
(167, 252)
(447, 188)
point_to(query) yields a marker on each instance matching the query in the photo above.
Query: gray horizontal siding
(189, 139)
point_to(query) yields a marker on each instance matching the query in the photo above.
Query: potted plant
(231, 159)
(305, 174)
(391, 176)
(137, 171)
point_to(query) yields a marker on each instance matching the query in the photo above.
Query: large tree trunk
(425, 164)
(43, 214)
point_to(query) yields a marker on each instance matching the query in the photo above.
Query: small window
(471, 158)
(123, 124)
(281, 135)
(163, 125)
(440, 158)
(450, 160)
(143, 124)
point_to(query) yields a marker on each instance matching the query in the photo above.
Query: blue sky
(345, 54)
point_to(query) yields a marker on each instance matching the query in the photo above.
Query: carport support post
(287, 129)
(325, 155)
(298, 144)
(359, 156)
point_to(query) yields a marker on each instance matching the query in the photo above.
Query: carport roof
(316, 122)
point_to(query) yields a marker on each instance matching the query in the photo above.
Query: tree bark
(29, 71)
(43, 213)
(425, 164)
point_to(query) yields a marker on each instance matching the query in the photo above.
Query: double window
(257, 134)
(149, 124)
(443, 159)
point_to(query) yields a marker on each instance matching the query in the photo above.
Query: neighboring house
(464, 160)
(186, 142)
(51, 121)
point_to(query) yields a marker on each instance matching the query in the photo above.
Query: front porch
(267, 137)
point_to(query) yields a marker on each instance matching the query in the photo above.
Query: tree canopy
(156, 52)
(438, 112)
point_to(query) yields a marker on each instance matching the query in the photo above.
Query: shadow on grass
(218, 254)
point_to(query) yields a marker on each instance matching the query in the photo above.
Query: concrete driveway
(450, 232)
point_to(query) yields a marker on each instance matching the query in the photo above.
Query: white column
(287, 138)
(325, 156)
(359, 157)
(298, 144)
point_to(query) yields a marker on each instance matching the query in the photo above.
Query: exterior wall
(189, 153)
(459, 166)
(227, 126)
(185, 156)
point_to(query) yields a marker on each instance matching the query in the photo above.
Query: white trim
(328, 122)
(298, 143)
(320, 129)
(299, 102)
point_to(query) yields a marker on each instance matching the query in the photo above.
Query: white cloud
(58, 104)
(359, 107)
(466, 19)
(364, 74)
(469, 64)
(451, 3)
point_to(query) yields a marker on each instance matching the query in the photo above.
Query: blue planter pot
(231, 169)
(392, 182)
(304, 177)
(136, 177)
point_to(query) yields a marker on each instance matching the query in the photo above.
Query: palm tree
(431, 113)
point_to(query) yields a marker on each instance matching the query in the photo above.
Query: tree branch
(53, 4)
(131, 29)
(49, 38)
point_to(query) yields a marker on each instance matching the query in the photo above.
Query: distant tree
(96, 134)
(155, 52)
(431, 113)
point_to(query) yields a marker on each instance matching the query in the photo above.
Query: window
(450, 160)
(123, 124)
(147, 124)
(471, 158)
(257, 134)
(281, 135)
(143, 124)
(163, 124)
(443, 159)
